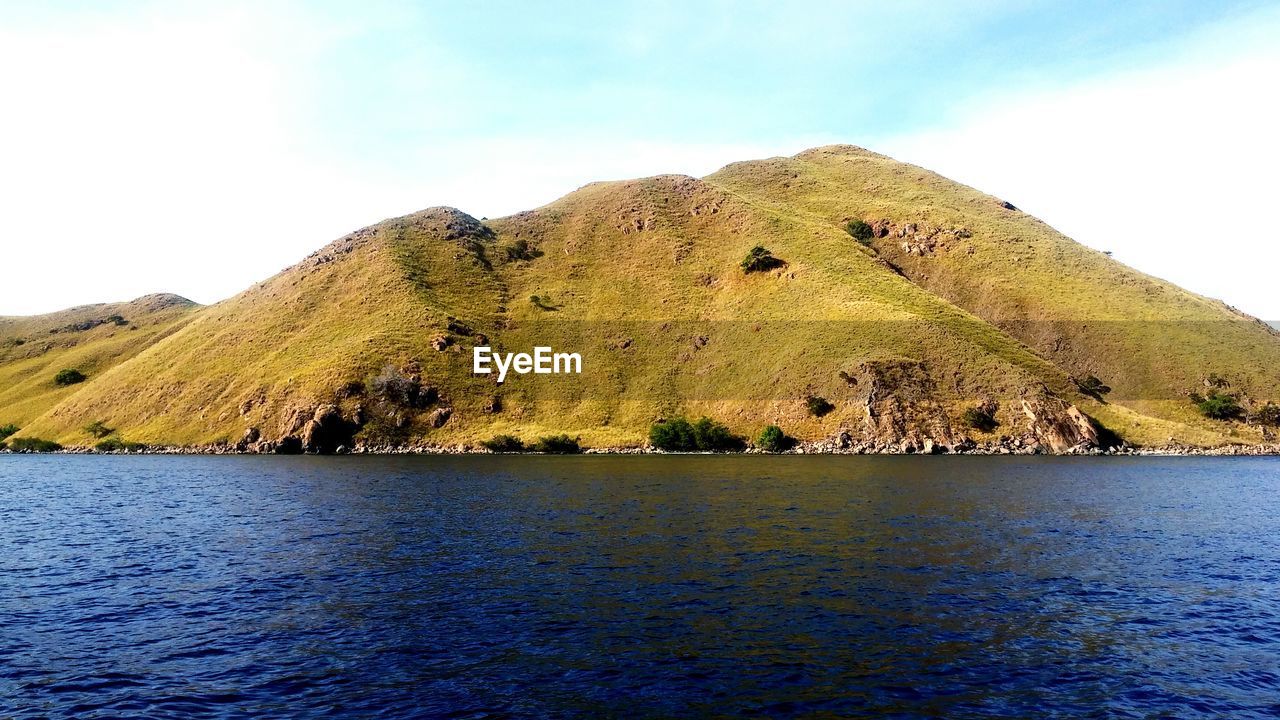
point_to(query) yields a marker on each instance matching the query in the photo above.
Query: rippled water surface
(638, 586)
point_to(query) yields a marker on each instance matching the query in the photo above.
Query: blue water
(639, 586)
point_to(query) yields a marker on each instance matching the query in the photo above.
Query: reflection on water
(650, 586)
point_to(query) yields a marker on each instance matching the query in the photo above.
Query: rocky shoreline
(811, 448)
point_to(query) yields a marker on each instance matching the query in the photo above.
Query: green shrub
(504, 444)
(33, 445)
(521, 250)
(116, 444)
(1268, 414)
(1218, 405)
(703, 435)
(979, 419)
(760, 260)
(117, 319)
(7, 430)
(1092, 386)
(773, 440)
(675, 435)
(68, 376)
(98, 429)
(818, 406)
(557, 445)
(861, 231)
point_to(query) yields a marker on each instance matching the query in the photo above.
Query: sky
(197, 148)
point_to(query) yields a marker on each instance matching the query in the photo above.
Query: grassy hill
(1149, 340)
(955, 302)
(90, 339)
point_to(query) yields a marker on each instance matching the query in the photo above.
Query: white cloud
(1171, 167)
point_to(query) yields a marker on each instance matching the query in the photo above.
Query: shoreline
(461, 449)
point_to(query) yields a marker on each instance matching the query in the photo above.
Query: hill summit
(856, 302)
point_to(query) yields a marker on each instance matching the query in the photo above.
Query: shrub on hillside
(703, 435)
(521, 250)
(557, 445)
(818, 406)
(675, 435)
(979, 419)
(1092, 386)
(1268, 414)
(7, 430)
(773, 440)
(861, 231)
(98, 429)
(68, 376)
(116, 444)
(1218, 405)
(26, 444)
(760, 260)
(398, 388)
(504, 444)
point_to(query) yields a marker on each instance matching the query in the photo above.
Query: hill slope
(91, 339)
(958, 302)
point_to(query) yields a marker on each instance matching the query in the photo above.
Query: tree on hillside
(69, 376)
(760, 260)
(1218, 405)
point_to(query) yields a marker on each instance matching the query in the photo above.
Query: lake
(651, 586)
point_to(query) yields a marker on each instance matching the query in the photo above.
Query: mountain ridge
(956, 301)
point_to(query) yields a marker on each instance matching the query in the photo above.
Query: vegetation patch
(98, 429)
(117, 444)
(1268, 414)
(557, 445)
(397, 387)
(33, 445)
(772, 439)
(818, 406)
(1093, 387)
(860, 231)
(1218, 405)
(7, 430)
(504, 444)
(520, 249)
(760, 260)
(702, 435)
(69, 376)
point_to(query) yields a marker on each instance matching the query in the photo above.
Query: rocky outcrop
(900, 401)
(1059, 425)
(438, 417)
(326, 431)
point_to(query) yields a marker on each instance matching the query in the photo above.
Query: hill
(952, 302)
(90, 339)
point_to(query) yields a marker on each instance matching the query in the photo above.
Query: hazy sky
(196, 148)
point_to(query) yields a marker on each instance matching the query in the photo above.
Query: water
(638, 586)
